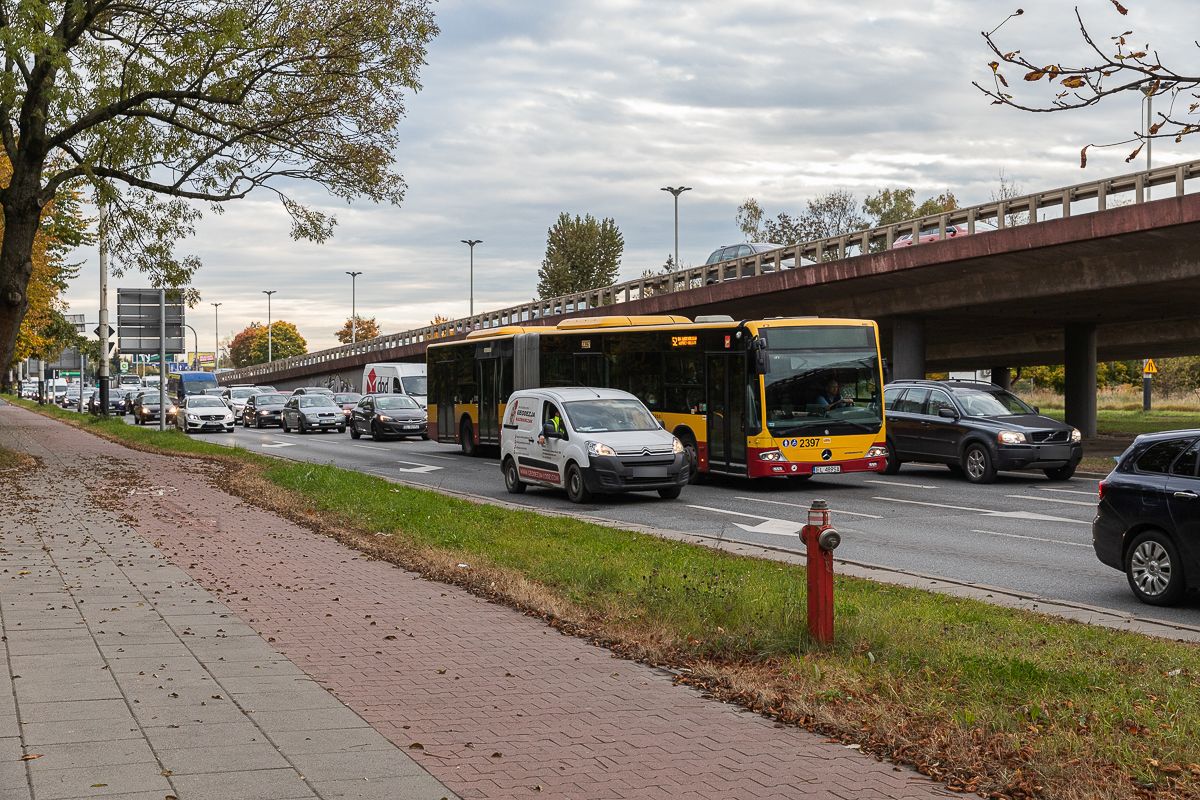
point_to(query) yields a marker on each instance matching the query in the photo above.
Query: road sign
(1149, 368)
(138, 322)
(111, 331)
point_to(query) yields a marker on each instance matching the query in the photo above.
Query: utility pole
(270, 351)
(162, 359)
(216, 335)
(1146, 379)
(471, 244)
(102, 378)
(353, 309)
(676, 191)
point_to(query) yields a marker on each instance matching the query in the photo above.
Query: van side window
(396, 386)
(551, 414)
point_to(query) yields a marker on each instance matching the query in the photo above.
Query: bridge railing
(1067, 201)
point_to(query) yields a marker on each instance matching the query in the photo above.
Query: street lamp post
(270, 351)
(216, 335)
(471, 244)
(676, 191)
(353, 309)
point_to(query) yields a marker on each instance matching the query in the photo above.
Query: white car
(201, 412)
(588, 441)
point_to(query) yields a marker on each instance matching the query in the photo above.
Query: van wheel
(466, 438)
(512, 478)
(670, 493)
(893, 459)
(577, 491)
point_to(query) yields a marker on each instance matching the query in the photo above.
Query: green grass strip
(1073, 697)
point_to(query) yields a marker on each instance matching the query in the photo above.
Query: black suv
(1148, 521)
(976, 428)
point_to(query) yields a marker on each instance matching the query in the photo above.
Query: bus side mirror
(887, 370)
(762, 363)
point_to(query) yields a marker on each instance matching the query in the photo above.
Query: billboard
(138, 321)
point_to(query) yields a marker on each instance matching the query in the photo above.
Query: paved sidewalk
(491, 702)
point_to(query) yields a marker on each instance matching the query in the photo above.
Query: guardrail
(1082, 198)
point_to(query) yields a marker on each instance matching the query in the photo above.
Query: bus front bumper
(758, 468)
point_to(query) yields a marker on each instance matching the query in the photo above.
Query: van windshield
(415, 384)
(604, 416)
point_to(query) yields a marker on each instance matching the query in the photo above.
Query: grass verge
(1121, 422)
(990, 700)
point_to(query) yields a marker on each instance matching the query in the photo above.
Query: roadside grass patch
(1130, 422)
(991, 700)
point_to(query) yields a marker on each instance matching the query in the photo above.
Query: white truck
(396, 378)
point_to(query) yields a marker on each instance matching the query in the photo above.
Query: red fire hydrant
(821, 540)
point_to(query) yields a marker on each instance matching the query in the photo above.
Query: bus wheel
(466, 438)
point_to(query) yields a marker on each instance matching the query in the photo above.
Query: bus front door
(727, 412)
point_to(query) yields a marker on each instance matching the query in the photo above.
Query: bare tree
(1119, 67)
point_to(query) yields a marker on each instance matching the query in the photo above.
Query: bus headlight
(1076, 436)
(600, 449)
(676, 446)
(876, 451)
(771, 455)
(1010, 437)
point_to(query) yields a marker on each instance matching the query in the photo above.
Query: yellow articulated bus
(782, 397)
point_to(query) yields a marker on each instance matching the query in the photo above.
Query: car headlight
(1010, 437)
(600, 449)
(771, 455)
(193, 418)
(384, 418)
(676, 445)
(1076, 436)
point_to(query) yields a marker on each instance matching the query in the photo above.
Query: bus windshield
(197, 383)
(825, 390)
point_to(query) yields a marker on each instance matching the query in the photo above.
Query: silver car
(313, 412)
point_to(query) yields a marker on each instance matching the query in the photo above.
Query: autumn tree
(581, 253)
(366, 329)
(249, 346)
(1119, 66)
(158, 104)
(890, 206)
(831, 214)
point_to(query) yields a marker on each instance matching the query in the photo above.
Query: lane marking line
(805, 508)
(1027, 515)
(1051, 500)
(431, 455)
(372, 447)
(901, 483)
(1069, 491)
(1032, 538)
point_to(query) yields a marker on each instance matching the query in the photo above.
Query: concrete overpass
(1097, 271)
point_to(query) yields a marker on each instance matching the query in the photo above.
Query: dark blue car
(1148, 521)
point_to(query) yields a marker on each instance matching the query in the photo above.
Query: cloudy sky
(590, 106)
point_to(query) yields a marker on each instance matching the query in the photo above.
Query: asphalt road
(1023, 533)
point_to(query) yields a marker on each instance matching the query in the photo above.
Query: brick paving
(492, 703)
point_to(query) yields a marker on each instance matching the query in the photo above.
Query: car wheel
(341, 429)
(670, 493)
(1154, 569)
(376, 434)
(977, 464)
(245, 422)
(286, 428)
(301, 427)
(893, 459)
(424, 437)
(354, 434)
(1062, 473)
(258, 423)
(577, 491)
(466, 438)
(512, 478)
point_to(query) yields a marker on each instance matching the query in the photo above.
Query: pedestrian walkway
(492, 703)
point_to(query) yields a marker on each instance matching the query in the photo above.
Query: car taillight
(1100, 489)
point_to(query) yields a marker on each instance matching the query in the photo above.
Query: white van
(396, 378)
(588, 441)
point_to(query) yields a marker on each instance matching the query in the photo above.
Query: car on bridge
(976, 428)
(1148, 519)
(930, 235)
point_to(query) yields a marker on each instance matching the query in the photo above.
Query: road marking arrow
(417, 467)
(777, 527)
(280, 444)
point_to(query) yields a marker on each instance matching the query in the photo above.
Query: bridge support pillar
(1080, 378)
(908, 348)
(1002, 377)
